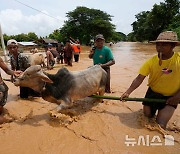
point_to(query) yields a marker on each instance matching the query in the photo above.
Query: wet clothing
(162, 85)
(61, 53)
(76, 57)
(68, 54)
(76, 48)
(22, 63)
(77, 51)
(25, 92)
(107, 89)
(102, 57)
(164, 79)
(156, 106)
(3, 93)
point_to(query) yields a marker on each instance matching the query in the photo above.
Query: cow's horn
(45, 78)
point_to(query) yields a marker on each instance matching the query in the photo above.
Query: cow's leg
(64, 108)
(60, 109)
(101, 93)
(66, 103)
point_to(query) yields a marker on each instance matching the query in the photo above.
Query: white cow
(37, 59)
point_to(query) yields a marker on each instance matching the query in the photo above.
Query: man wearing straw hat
(164, 79)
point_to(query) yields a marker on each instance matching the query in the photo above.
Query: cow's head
(33, 77)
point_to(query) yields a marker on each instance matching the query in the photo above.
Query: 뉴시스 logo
(147, 141)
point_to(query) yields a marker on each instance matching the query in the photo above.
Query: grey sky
(16, 18)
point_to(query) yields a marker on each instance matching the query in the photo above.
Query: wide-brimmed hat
(99, 36)
(168, 36)
(12, 42)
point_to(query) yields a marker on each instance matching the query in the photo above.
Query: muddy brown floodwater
(96, 127)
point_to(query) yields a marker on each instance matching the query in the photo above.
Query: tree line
(162, 17)
(84, 23)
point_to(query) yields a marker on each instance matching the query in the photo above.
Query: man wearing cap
(19, 62)
(4, 88)
(102, 55)
(163, 70)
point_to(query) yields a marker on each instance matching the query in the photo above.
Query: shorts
(156, 106)
(3, 93)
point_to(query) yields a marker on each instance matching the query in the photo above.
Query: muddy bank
(95, 127)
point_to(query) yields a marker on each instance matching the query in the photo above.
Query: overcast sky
(16, 18)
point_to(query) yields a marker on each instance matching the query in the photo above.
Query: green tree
(118, 36)
(32, 36)
(56, 35)
(22, 37)
(139, 26)
(175, 26)
(131, 37)
(84, 23)
(6, 38)
(149, 24)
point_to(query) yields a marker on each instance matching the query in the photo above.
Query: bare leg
(165, 115)
(147, 111)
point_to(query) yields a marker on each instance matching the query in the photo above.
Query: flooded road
(99, 129)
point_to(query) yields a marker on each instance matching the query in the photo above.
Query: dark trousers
(69, 61)
(156, 106)
(25, 92)
(76, 58)
(108, 89)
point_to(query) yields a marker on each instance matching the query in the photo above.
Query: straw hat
(168, 36)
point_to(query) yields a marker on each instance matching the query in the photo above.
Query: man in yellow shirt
(164, 79)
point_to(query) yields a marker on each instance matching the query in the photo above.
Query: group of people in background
(63, 54)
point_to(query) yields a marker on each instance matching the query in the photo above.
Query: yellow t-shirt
(166, 83)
